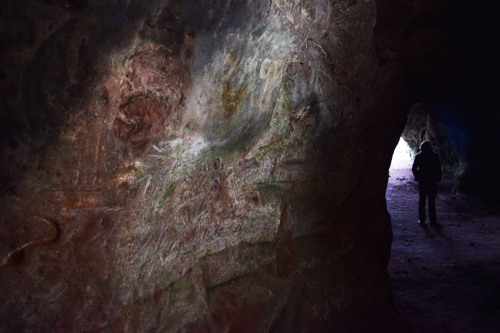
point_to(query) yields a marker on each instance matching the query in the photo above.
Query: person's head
(426, 147)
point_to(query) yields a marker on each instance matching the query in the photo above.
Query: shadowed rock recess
(199, 166)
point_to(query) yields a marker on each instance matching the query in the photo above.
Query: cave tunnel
(222, 166)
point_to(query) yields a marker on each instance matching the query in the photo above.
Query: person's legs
(432, 203)
(422, 193)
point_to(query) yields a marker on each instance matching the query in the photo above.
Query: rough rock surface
(198, 166)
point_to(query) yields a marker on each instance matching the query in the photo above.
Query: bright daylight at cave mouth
(401, 159)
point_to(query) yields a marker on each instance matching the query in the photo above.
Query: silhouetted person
(428, 172)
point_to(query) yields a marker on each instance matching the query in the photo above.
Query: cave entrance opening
(399, 175)
(401, 158)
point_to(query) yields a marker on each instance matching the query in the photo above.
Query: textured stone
(199, 166)
(189, 167)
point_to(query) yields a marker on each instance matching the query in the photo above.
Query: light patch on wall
(237, 89)
(401, 159)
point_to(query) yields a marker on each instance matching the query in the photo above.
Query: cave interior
(221, 166)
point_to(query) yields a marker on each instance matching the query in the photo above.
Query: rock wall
(196, 166)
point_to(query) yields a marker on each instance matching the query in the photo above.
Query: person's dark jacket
(427, 167)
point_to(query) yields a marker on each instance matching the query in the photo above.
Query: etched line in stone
(51, 237)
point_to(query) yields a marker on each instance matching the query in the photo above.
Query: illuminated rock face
(186, 166)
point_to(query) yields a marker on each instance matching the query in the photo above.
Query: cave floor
(448, 279)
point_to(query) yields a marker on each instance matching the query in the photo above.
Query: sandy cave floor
(448, 279)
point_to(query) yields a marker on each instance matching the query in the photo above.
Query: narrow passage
(445, 280)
